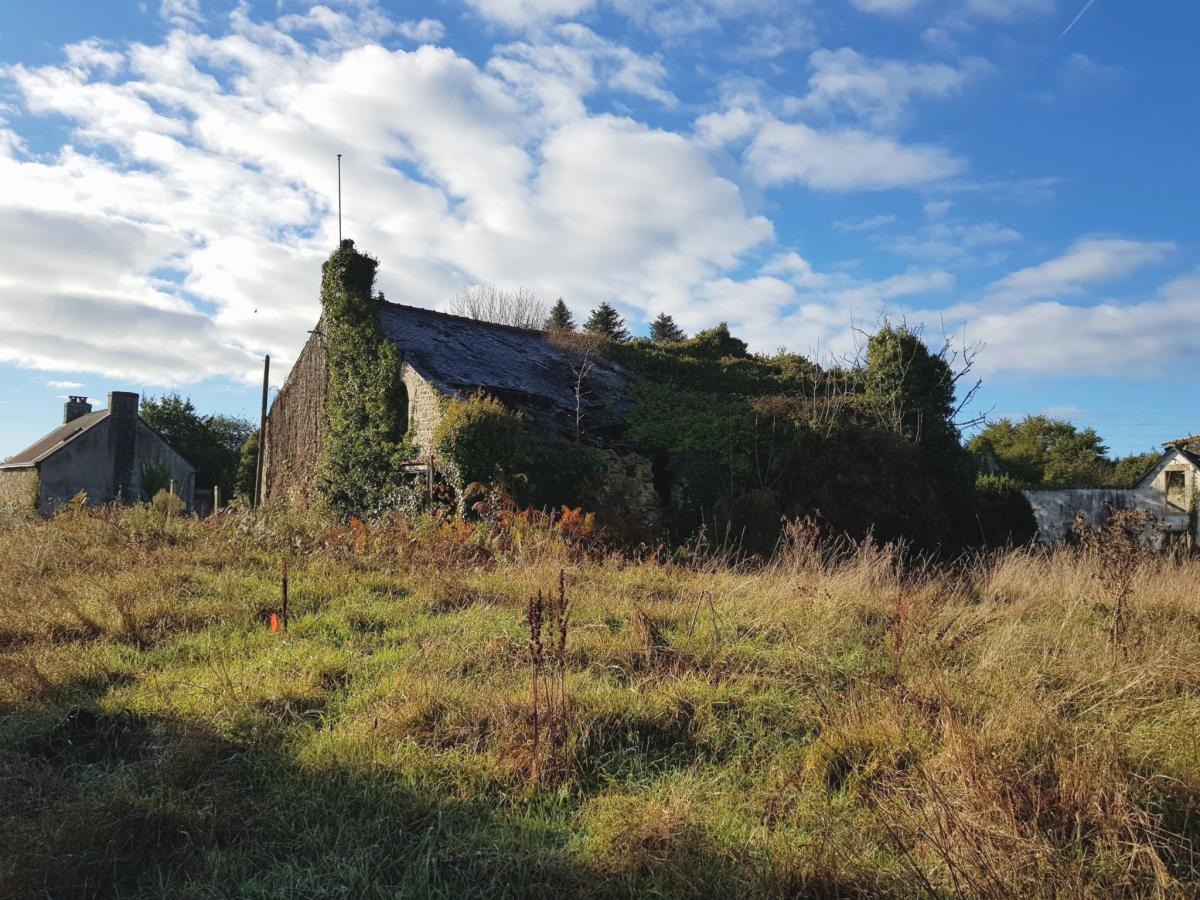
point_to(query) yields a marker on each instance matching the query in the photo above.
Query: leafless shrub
(519, 307)
(1120, 549)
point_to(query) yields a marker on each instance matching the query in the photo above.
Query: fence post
(285, 593)
(216, 498)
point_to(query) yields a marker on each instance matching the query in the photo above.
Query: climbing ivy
(364, 441)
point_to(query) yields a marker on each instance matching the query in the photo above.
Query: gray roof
(55, 440)
(522, 368)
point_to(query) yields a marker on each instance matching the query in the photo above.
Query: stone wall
(425, 404)
(294, 429)
(18, 491)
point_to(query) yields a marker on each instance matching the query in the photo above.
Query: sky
(1014, 176)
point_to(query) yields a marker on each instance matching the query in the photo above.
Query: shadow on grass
(102, 804)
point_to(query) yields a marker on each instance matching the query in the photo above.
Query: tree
(488, 303)
(560, 318)
(1041, 452)
(908, 389)
(663, 330)
(210, 443)
(606, 321)
(248, 466)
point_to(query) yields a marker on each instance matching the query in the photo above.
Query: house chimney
(123, 425)
(74, 408)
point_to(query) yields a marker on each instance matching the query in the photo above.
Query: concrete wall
(84, 464)
(153, 452)
(18, 490)
(1056, 511)
(103, 463)
(294, 429)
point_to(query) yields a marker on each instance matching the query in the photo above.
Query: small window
(1176, 492)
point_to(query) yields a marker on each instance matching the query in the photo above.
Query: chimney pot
(75, 407)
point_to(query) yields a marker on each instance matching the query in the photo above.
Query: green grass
(817, 727)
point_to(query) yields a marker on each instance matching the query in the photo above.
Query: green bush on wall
(479, 440)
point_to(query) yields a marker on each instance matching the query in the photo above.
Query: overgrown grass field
(840, 722)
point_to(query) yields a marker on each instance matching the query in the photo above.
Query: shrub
(478, 440)
(1005, 516)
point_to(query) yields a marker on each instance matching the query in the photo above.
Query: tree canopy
(560, 318)
(606, 321)
(211, 443)
(663, 330)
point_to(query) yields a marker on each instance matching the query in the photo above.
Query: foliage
(478, 440)
(1126, 470)
(364, 435)
(248, 466)
(211, 443)
(663, 330)
(560, 318)
(154, 478)
(1005, 516)
(745, 439)
(167, 504)
(1041, 452)
(607, 322)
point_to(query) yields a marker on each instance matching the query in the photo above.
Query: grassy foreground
(834, 724)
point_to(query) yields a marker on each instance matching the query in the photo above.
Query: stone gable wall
(294, 429)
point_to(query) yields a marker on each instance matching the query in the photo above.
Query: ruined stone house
(108, 454)
(1169, 491)
(446, 356)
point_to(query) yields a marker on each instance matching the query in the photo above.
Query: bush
(479, 440)
(1005, 515)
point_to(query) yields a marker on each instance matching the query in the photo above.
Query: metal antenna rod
(339, 199)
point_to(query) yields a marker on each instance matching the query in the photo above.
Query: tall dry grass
(845, 720)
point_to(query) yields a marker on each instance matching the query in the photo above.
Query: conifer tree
(663, 330)
(560, 318)
(607, 322)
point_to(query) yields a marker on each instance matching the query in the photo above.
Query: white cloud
(959, 241)
(1087, 262)
(64, 385)
(871, 223)
(424, 31)
(1008, 10)
(196, 200)
(878, 92)
(1143, 339)
(524, 13)
(888, 7)
(846, 160)
(181, 12)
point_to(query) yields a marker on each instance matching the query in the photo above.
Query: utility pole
(262, 433)
(339, 199)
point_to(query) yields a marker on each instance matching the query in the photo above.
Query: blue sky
(797, 169)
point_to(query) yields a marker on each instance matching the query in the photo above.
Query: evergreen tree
(663, 330)
(607, 322)
(560, 318)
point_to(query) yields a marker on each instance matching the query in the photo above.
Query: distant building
(109, 454)
(448, 356)
(1169, 491)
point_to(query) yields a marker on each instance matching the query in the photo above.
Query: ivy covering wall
(363, 412)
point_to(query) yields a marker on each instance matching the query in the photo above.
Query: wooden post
(172, 488)
(216, 498)
(285, 593)
(262, 433)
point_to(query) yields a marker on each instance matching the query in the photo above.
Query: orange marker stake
(274, 622)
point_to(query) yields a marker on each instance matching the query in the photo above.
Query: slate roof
(55, 440)
(520, 367)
